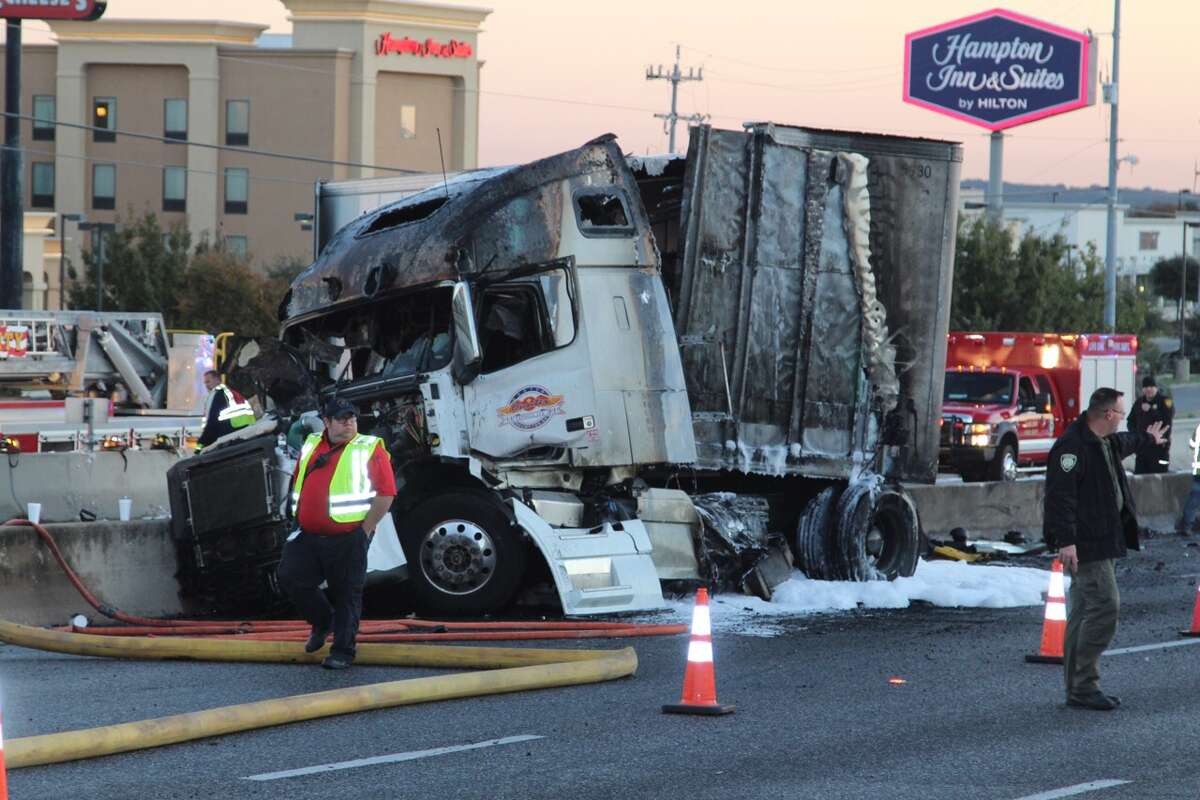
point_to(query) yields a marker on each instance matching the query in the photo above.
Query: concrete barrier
(989, 510)
(66, 483)
(129, 565)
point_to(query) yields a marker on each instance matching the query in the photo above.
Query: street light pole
(1110, 255)
(62, 256)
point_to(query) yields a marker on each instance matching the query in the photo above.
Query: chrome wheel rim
(458, 557)
(1009, 467)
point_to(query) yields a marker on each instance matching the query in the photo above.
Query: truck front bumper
(960, 456)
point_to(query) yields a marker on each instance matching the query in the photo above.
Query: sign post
(998, 69)
(12, 208)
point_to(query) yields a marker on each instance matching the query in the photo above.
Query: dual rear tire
(866, 531)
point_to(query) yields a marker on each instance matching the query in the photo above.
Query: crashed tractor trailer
(598, 373)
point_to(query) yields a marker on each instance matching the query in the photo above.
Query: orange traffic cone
(1054, 626)
(1195, 630)
(3, 780)
(699, 680)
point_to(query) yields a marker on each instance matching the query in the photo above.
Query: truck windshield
(391, 337)
(978, 387)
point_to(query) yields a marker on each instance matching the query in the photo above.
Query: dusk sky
(559, 72)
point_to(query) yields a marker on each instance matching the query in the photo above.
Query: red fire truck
(1008, 396)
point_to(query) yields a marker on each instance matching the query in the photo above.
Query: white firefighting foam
(950, 584)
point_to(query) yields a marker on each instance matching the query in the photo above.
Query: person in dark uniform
(1090, 519)
(1153, 407)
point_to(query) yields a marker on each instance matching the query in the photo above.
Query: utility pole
(1110, 250)
(675, 76)
(12, 213)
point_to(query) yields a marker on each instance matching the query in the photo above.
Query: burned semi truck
(598, 373)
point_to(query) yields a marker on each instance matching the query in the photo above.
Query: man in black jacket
(1152, 407)
(1091, 519)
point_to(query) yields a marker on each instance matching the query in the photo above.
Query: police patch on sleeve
(1067, 461)
(1167, 402)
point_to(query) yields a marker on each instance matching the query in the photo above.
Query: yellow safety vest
(239, 415)
(350, 490)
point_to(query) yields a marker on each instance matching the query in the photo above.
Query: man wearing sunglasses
(1091, 520)
(342, 488)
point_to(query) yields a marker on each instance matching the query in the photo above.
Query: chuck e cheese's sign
(52, 9)
(386, 45)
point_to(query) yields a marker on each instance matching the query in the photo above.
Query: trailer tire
(465, 556)
(814, 536)
(878, 534)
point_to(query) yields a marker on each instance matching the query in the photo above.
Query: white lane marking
(1120, 651)
(1070, 791)
(390, 759)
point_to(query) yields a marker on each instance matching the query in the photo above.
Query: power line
(227, 148)
(753, 65)
(151, 165)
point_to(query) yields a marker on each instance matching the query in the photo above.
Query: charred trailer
(575, 400)
(810, 274)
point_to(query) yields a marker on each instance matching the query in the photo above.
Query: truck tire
(814, 536)
(877, 535)
(1003, 467)
(465, 556)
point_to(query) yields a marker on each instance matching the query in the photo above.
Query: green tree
(1034, 284)
(137, 266)
(1165, 278)
(220, 292)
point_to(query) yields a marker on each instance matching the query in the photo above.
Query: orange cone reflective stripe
(1054, 624)
(699, 680)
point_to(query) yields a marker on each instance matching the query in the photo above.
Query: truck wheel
(1004, 466)
(878, 536)
(465, 557)
(813, 536)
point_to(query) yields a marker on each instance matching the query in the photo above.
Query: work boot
(1096, 701)
(1116, 701)
(336, 662)
(316, 640)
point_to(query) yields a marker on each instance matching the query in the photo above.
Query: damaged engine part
(735, 549)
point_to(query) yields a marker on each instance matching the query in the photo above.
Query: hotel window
(175, 121)
(43, 185)
(104, 119)
(236, 245)
(408, 122)
(174, 188)
(1148, 240)
(237, 190)
(237, 122)
(45, 114)
(104, 186)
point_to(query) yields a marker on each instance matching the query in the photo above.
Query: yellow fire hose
(511, 670)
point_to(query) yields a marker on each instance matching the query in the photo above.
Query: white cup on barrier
(34, 512)
(125, 507)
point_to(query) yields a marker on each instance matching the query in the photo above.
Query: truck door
(1054, 426)
(1033, 423)
(534, 392)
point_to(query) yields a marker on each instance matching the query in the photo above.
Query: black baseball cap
(337, 407)
(1148, 381)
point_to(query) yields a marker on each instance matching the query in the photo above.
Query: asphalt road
(816, 717)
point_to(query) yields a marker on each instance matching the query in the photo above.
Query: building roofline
(158, 31)
(399, 12)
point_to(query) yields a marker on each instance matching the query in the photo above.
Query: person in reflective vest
(224, 410)
(343, 486)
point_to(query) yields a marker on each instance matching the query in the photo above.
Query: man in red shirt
(342, 488)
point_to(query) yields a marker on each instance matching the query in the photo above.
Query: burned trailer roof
(481, 220)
